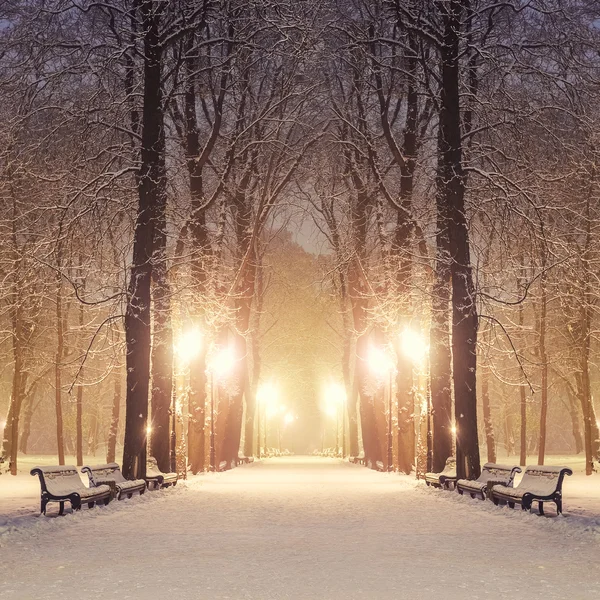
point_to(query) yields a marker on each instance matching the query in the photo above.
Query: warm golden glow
(289, 419)
(379, 361)
(223, 361)
(268, 398)
(189, 345)
(413, 346)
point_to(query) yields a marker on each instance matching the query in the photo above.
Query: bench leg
(43, 507)
(558, 502)
(495, 500)
(472, 495)
(541, 507)
(511, 504)
(91, 504)
(61, 510)
(106, 501)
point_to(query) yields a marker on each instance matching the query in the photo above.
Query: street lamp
(382, 366)
(187, 348)
(335, 395)
(415, 348)
(221, 364)
(266, 399)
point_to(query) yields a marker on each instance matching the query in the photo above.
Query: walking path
(300, 528)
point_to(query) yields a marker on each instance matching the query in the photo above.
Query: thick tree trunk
(151, 185)
(464, 312)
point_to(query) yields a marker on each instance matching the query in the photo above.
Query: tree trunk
(151, 186)
(523, 392)
(60, 440)
(113, 432)
(162, 354)
(29, 407)
(79, 401)
(464, 312)
(544, 366)
(440, 356)
(197, 413)
(487, 416)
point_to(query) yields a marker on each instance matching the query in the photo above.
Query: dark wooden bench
(156, 478)
(446, 477)
(491, 474)
(539, 484)
(244, 460)
(63, 484)
(111, 475)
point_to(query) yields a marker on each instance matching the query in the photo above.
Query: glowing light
(454, 430)
(268, 397)
(331, 411)
(289, 419)
(413, 346)
(223, 361)
(189, 345)
(2, 424)
(336, 393)
(379, 361)
(149, 430)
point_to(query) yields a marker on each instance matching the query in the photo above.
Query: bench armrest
(110, 483)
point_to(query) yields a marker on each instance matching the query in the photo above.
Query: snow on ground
(301, 528)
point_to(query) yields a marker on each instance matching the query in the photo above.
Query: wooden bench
(491, 474)
(446, 477)
(539, 484)
(111, 475)
(63, 484)
(156, 478)
(244, 460)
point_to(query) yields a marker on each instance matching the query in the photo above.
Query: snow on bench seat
(110, 474)
(539, 484)
(156, 477)
(446, 477)
(490, 474)
(63, 484)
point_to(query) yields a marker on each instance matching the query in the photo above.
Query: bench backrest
(59, 480)
(450, 466)
(498, 472)
(110, 471)
(543, 480)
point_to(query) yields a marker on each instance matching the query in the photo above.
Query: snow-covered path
(300, 529)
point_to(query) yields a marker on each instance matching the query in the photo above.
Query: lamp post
(187, 348)
(382, 366)
(267, 397)
(415, 349)
(335, 397)
(221, 365)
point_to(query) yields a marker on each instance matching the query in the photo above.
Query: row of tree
(153, 150)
